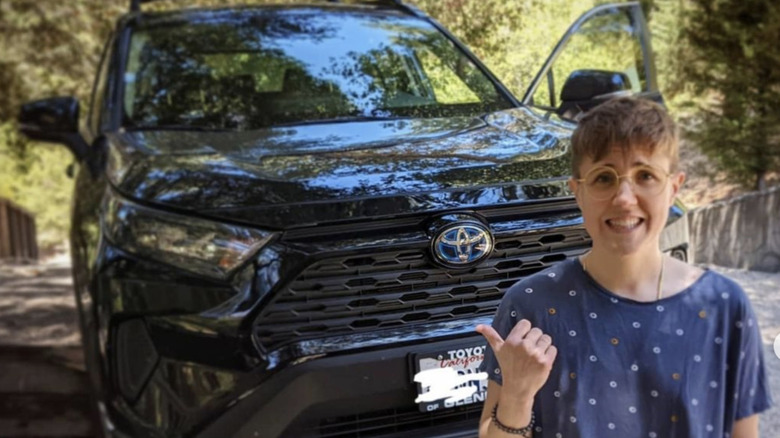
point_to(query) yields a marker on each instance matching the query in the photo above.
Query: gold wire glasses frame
(602, 183)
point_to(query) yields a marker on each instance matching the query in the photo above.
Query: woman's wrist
(524, 431)
(517, 399)
(514, 411)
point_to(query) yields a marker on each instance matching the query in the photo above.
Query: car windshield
(250, 69)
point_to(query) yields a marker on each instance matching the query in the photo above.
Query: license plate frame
(465, 361)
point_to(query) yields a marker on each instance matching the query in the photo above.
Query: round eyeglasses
(602, 183)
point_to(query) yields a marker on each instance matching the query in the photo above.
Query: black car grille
(349, 294)
(389, 421)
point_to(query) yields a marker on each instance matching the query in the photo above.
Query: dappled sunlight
(37, 305)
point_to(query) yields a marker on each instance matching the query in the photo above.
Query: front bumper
(369, 393)
(362, 393)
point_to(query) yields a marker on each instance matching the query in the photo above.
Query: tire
(679, 254)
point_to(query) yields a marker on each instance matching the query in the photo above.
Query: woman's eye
(604, 178)
(646, 176)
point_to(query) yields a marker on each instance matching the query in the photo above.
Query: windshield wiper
(176, 128)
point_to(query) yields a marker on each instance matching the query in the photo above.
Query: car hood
(322, 173)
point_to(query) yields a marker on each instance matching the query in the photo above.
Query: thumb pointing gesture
(526, 356)
(491, 335)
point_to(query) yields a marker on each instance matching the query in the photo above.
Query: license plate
(450, 378)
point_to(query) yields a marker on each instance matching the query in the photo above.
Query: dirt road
(43, 386)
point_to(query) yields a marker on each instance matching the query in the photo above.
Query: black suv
(286, 217)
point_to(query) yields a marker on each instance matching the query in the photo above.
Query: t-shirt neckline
(603, 290)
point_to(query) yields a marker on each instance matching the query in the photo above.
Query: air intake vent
(136, 357)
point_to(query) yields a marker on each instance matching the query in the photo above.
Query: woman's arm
(525, 357)
(743, 428)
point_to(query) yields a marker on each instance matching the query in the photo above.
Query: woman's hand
(526, 357)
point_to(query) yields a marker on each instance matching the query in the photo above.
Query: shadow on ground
(43, 384)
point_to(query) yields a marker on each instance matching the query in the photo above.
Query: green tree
(512, 38)
(729, 62)
(50, 48)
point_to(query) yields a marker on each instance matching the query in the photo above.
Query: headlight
(197, 245)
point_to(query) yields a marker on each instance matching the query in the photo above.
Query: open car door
(604, 54)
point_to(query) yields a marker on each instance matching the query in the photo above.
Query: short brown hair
(624, 123)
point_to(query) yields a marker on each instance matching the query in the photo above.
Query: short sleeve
(751, 387)
(503, 322)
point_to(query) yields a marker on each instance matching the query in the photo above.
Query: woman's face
(631, 219)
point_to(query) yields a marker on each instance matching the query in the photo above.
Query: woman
(624, 341)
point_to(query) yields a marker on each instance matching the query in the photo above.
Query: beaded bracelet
(511, 430)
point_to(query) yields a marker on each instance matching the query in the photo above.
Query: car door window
(99, 89)
(605, 54)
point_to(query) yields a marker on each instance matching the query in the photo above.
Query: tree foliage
(728, 64)
(49, 48)
(513, 38)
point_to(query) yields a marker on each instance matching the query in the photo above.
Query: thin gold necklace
(659, 293)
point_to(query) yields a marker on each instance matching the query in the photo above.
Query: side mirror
(54, 120)
(585, 89)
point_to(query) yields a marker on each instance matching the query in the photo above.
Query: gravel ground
(43, 384)
(37, 305)
(37, 309)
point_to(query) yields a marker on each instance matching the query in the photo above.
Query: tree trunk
(761, 180)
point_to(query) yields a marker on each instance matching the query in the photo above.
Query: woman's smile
(624, 225)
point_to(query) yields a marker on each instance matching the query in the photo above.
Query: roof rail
(135, 5)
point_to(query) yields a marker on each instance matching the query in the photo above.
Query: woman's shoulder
(707, 284)
(681, 277)
(713, 280)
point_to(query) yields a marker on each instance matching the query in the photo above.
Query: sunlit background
(717, 62)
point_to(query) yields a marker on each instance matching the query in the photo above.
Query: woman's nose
(625, 193)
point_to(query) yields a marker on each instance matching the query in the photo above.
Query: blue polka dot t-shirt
(685, 366)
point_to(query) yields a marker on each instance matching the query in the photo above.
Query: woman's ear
(573, 187)
(676, 181)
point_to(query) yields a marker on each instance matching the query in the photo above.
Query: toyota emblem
(462, 245)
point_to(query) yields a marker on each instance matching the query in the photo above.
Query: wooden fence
(17, 233)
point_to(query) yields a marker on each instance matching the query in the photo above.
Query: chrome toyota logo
(462, 245)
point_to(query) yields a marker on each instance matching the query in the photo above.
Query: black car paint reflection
(330, 173)
(269, 68)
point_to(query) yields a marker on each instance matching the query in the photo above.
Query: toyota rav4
(285, 215)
